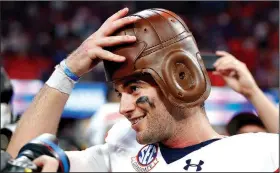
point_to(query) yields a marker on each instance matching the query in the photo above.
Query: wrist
(68, 71)
(253, 92)
(60, 81)
(76, 67)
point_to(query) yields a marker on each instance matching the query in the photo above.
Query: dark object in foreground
(46, 144)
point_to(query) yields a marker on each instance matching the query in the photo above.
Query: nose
(127, 104)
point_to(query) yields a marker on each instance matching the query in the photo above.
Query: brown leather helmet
(166, 49)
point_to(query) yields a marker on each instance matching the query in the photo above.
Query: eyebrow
(129, 82)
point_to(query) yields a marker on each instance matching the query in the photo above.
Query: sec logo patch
(146, 158)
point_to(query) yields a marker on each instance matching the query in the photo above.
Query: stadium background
(35, 36)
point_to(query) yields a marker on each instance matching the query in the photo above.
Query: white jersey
(251, 152)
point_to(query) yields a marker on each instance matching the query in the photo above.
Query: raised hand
(235, 73)
(91, 51)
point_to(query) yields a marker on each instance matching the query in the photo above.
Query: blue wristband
(68, 72)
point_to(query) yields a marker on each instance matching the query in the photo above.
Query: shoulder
(254, 137)
(249, 141)
(250, 151)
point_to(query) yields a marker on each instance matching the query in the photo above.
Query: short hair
(241, 119)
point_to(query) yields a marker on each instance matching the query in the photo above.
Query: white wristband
(60, 81)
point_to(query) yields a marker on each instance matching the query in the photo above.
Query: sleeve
(93, 159)
(271, 146)
(275, 151)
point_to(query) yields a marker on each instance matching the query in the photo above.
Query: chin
(139, 139)
(143, 140)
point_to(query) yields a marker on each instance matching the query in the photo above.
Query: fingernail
(124, 9)
(134, 18)
(122, 58)
(130, 37)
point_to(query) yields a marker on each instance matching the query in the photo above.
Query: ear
(183, 76)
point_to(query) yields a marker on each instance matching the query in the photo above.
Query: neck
(193, 129)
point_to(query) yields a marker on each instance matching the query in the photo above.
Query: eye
(119, 95)
(134, 88)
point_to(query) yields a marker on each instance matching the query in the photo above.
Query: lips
(136, 120)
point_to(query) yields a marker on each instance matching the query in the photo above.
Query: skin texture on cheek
(157, 121)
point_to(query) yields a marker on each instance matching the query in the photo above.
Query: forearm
(268, 113)
(42, 116)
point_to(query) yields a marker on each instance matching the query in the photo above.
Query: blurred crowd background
(38, 35)
(35, 36)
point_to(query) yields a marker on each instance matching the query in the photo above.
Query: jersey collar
(172, 154)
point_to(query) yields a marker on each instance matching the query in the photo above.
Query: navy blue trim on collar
(172, 154)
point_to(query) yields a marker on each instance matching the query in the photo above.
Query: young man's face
(143, 104)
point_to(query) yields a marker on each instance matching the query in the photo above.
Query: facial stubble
(156, 125)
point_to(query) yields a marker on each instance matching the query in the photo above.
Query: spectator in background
(245, 122)
(238, 77)
(248, 30)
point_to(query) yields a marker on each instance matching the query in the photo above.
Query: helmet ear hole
(183, 77)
